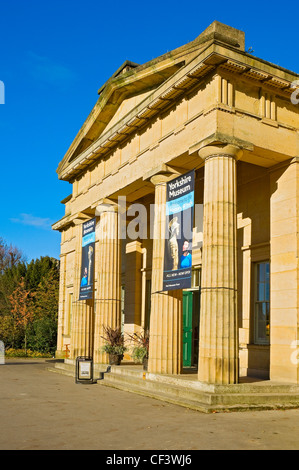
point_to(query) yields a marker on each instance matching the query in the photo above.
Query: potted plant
(141, 349)
(114, 344)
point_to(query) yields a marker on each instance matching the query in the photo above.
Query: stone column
(61, 307)
(165, 355)
(108, 267)
(284, 272)
(218, 344)
(82, 325)
(76, 313)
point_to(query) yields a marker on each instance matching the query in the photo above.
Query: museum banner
(87, 260)
(178, 232)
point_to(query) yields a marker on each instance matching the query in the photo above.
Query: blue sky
(56, 55)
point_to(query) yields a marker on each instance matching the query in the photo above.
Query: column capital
(106, 206)
(161, 178)
(162, 174)
(228, 150)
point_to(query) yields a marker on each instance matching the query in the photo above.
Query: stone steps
(153, 387)
(188, 392)
(197, 398)
(63, 368)
(263, 403)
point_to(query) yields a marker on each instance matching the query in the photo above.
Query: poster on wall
(87, 260)
(179, 231)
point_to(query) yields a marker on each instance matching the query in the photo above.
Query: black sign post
(84, 370)
(179, 232)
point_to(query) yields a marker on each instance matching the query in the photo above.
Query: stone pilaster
(108, 266)
(218, 345)
(133, 286)
(165, 355)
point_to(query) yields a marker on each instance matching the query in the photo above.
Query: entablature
(215, 59)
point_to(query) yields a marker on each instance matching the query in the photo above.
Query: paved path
(42, 410)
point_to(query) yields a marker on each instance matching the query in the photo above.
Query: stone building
(211, 107)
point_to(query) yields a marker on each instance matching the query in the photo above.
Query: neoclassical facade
(211, 107)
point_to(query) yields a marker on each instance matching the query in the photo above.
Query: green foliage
(10, 278)
(38, 269)
(28, 353)
(42, 335)
(40, 279)
(10, 333)
(117, 350)
(139, 353)
(114, 341)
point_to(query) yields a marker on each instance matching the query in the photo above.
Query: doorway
(191, 315)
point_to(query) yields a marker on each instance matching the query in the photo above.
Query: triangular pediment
(120, 94)
(133, 83)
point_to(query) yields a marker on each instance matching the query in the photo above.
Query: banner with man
(87, 260)
(179, 231)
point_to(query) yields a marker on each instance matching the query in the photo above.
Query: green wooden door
(187, 328)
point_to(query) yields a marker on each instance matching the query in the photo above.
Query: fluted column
(218, 345)
(61, 307)
(82, 322)
(165, 354)
(75, 313)
(108, 296)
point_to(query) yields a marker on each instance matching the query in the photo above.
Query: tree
(28, 300)
(9, 256)
(37, 269)
(10, 333)
(22, 308)
(12, 269)
(43, 334)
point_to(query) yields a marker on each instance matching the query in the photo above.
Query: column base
(218, 371)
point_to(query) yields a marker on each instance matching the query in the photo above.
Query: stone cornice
(229, 150)
(213, 57)
(75, 219)
(153, 72)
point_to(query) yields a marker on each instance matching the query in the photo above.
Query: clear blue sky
(56, 54)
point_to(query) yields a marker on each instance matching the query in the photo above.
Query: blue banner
(179, 232)
(87, 260)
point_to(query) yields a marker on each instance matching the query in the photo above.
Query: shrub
(139, 354)
(114, 339)
(23, 353)
(141, 349)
